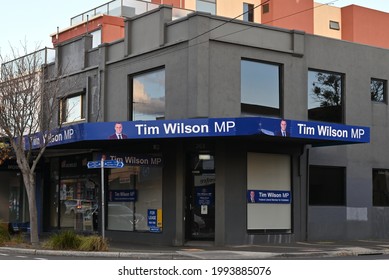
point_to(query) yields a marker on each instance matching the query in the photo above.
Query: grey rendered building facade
(202, 60)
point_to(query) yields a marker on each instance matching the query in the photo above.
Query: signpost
(104, 164)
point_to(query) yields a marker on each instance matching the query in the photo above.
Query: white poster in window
(204, 209)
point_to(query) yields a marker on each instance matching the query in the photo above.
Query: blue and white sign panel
(152, 217)
(107, 164)
(94, 164)
(205, 196)
(269, 196)
(212, 127)
(113, 164)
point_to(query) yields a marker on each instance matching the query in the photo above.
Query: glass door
(200, 198)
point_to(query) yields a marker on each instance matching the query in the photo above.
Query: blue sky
(34, 20)
(382, 5)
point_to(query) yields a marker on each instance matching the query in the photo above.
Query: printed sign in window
(268, 196)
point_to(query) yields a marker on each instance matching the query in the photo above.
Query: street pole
(102, 199)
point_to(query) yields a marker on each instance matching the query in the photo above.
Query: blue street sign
(107, 164)
(113, 164)
(94, 164)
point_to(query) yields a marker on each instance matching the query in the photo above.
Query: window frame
(334, 25)
(261, 110)
(97, 38)
(282, 165)
(342, 97)
(208, 4)
(265, 8)
(63, 117)
(131, 77)
(343, 194)
(138, 178)
(374, 198)
(385, 90)
(248, 12)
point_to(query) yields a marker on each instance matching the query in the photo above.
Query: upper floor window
(378, 90)
(260, 88)
(325, 96)
(148, 95)
(208, 6)
(334, 25)
(96, 38)
(265, 8)
(72, 108)
(248, 12)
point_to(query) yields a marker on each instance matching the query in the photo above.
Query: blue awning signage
(212, 127)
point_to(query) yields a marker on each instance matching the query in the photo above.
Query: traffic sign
(113, 164)
(107, 164)
(94, 164)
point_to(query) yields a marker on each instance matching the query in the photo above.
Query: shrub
(93, 243)
(66, 240)
(4, 234)
(69, 240)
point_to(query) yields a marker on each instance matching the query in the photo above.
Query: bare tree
(28, 116)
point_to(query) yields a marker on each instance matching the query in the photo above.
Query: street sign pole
(104, 164)
(102, 199)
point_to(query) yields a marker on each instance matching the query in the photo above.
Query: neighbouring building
(228, 131)
(350, 23)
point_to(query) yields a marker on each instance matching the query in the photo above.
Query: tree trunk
(29, 182)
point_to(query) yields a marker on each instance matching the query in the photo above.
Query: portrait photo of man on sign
(282, 131)
(118, 132)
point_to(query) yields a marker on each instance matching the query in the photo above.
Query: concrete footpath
(206, 251)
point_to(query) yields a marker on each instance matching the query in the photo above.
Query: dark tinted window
(380, 187)
(378, 90)
(327, 185)
(325, 96)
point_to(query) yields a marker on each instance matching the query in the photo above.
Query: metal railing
(123, 8)
(35, 59)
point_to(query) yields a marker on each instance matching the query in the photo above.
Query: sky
(382, 5)
(30, 22)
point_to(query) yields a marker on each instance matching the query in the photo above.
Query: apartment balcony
(123, 8)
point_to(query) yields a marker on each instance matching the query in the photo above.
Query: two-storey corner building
(214, 129)
(195, 108)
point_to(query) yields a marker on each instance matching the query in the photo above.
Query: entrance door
(200, 198)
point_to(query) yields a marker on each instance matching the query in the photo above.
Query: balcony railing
(35, 59)
(123, 8)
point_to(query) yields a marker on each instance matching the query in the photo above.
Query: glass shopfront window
(135, 195)
(78, 203)
(74, 194)
(13, 197)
